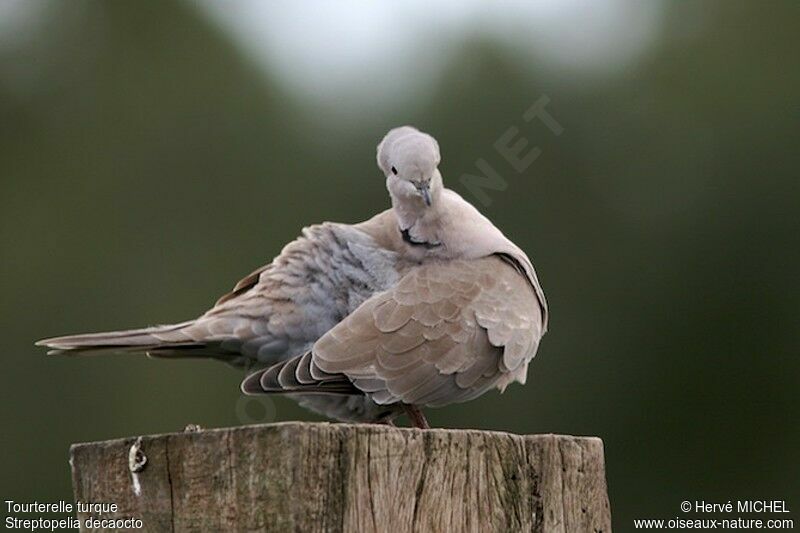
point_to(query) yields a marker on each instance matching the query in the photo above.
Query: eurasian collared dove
(425, 304)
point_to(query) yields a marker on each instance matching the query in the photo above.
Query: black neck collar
(410, 240)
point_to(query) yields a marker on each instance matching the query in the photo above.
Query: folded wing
(447, 332)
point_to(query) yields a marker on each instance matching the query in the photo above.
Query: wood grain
(342, 477)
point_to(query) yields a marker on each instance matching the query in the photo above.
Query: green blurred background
(152, 153)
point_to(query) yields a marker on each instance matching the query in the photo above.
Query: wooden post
(342, 477)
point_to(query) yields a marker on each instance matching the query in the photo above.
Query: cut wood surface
(342, 477)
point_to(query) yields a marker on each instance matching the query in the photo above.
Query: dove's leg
(416, 416)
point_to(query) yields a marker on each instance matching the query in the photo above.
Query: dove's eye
(394, 171)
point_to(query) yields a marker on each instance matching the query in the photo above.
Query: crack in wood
(341, 477)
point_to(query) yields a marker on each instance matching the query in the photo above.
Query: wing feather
(446, 332)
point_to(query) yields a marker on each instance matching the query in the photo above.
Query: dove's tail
(171, 338)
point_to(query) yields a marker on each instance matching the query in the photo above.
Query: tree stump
(342, 477)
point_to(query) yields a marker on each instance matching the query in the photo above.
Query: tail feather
(127, 340)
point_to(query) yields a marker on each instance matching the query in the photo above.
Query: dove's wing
(276, 312)
(447, 332)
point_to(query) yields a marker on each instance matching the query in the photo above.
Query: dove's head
(409, 159)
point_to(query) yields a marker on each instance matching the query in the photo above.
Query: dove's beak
(425, 192)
